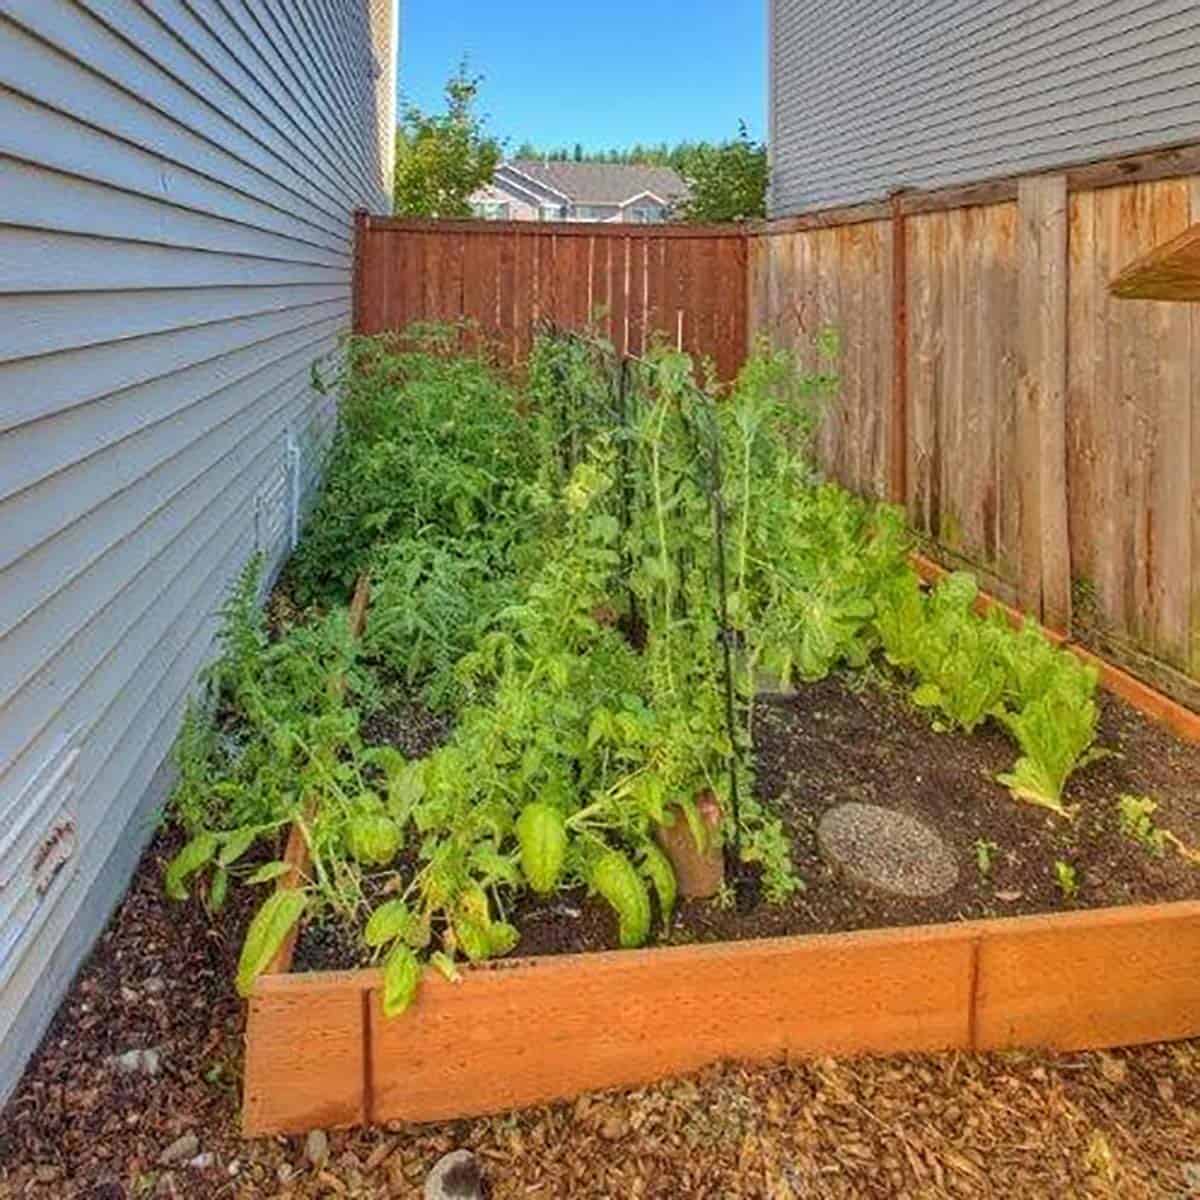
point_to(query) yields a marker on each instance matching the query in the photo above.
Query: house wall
(519, 208)
(176, 190)
(869, 98)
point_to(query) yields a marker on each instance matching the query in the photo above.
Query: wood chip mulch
(1123, 1124)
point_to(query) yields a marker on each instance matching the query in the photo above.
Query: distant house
(527, 190)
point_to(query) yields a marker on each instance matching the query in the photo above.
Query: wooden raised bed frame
(321, 1054)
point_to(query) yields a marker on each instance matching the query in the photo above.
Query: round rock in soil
(886, 850)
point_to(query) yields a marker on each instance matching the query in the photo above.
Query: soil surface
(858, 738)
(1125, 1124)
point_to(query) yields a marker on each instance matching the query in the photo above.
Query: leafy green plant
(431, 445)
(1136, 816)
(985, 854)
(1066, 878)
(1055, 732)
(958, 657)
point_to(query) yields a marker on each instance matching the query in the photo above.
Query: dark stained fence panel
(635, 284)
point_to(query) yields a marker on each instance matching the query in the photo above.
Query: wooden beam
(321, 1054)
(613, 229)
(306, 1054)
(1045, 566)
(1168, 272)
(1174, 162)
(898, 425)
(622, 1018)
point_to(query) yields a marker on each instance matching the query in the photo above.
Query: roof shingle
(602, 183)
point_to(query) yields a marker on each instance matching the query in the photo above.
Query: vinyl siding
(177, 184)
(867, 98)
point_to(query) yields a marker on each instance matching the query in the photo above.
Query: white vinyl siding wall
(177, 183)
(867, 98)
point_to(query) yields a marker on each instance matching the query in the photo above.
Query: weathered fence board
(1099, 446)
(635, 283)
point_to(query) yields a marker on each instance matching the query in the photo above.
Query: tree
(443, 158)
(726, 182)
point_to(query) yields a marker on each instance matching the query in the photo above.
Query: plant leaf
(445, 966)
(615, 879)
(198, 853)
(542, 837)
(268, 871)
(658, 868)
(218, 889)
(235, 845)
(401, 975)
(272, 923)
(389, 921)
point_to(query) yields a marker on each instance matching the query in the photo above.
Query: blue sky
(604, 74)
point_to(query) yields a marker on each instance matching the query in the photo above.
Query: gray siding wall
(176, 188)
(868, 97)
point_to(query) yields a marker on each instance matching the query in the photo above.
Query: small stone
(887, 850)
(455, 1176)
(202, 1162)
(129, 1062)
(613, 1129)
(1009, 897)
(137, 1062)
(316, 1147)
(47, 1173)
(180, 1149)
(128, 995)
(154, 986)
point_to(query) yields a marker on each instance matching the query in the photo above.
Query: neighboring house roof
(601, 183)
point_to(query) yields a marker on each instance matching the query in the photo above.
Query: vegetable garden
(620, 634)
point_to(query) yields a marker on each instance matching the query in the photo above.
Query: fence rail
(632, 283)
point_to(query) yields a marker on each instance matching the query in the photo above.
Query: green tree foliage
(443, 158)
(726, 182)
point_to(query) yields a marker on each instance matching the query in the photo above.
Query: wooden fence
(686, 284)
(1037, 429)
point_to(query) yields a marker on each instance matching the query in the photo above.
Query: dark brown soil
(858, 738)
(409, 726)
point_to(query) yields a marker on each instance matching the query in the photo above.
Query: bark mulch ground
(1124, 1124)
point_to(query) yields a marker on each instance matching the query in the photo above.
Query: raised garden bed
(320, 1052)
(1106, 976)
(591, 573)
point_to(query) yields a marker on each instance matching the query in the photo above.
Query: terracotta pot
(699, 872)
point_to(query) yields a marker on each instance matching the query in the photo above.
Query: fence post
(1045, 556)
(357, 299)
(898, 440)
